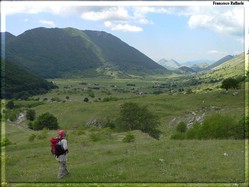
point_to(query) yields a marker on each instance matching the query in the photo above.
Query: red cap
(61, 133)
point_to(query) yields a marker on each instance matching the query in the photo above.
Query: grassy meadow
(99, 157)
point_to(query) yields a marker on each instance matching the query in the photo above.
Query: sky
(170, 30)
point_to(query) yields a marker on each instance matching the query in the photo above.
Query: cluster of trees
(135, 117)
(21, 84)
(215, 126)
(46, 120)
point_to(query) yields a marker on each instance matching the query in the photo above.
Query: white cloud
(122, 27)
(225, 21)
(213, 51)
(109, 13)
(47, 22)
(35, 7)
(228, 20)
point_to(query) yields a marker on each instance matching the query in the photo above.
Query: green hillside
(56, 52)
(18, 83)
(213, 78)
(122, 57)
(219, 62)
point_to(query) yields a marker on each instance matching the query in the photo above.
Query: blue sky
(159, 30)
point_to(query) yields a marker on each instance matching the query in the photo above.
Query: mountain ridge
(219, 62)
(56, 52)
(169, 64)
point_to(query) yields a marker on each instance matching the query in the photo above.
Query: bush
(218, 127)
(43, 134)
(30, 115)
(189, 91)
(193, 133)
(230, 83)
(135, 117)
(129, 138)
(45, 120)
(32, 138)
(5, 142)
(107, 123)
(10, 104)
(107, 99)
(241, 131)
(181, 127)
(95, 136)
(178, 136)
(11, 115)
(86, 99)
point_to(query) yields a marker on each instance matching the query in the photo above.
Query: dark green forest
(19, 83)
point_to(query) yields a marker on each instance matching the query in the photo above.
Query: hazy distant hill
(197, 62)
(169, 64)
(185, 69)
(219, 62)
(199, 67)
(18, 83)
(58, 52)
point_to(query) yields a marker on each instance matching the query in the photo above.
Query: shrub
(107, 99)
(32, 138)
(95, 136)
(129, 138)
(10, 104)
(181, 127)
(30, 125)
(189, 91)
(79, 131)
(178, 136)
(217, 126)
(43, 134)
(241, 131)
(5, 142)
(11, 115)
(86, 99)
(57, 99)
(193, 133)
(30, 115)
(230, 83)
(90, 93)
(108, 123)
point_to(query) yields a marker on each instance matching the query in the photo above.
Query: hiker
(63, 171)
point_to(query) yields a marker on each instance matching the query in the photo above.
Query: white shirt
(63, 158)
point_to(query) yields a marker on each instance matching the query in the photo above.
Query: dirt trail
(19, 122)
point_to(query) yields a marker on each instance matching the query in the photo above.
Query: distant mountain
(219, 62)
(196, 62)
(56, 52)
(199, 67)
(169, 64)
(185, 69)
(18, 83)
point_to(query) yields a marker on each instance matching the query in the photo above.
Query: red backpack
(56, 148)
